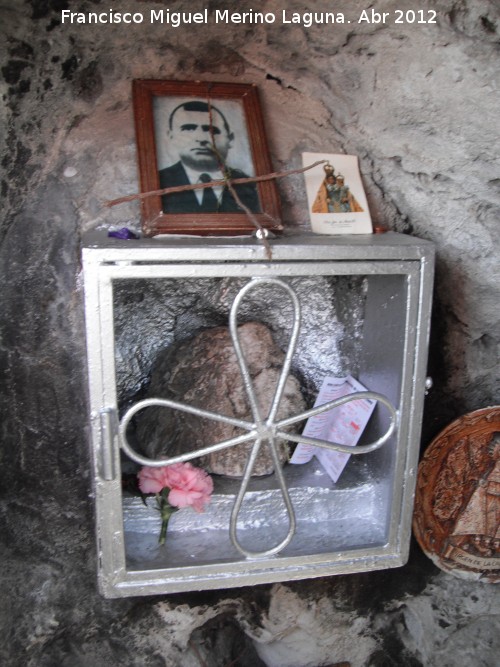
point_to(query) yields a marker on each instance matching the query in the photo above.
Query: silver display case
(365, 304)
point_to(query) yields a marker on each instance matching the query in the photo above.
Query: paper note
(343, 425)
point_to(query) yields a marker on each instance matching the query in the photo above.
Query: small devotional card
(335, 195)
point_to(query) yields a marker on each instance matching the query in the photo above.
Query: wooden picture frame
(170, 117)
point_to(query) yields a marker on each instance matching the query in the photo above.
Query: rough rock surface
(151, 315)
(419, 105)
(204, 372)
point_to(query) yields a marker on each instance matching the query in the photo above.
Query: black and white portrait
(194, 133)
(196, 143)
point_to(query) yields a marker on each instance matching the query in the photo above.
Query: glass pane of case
(364, 312)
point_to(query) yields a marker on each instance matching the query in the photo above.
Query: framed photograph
(335, 195)
(192, 133)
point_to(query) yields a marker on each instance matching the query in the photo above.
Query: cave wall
(418, 103)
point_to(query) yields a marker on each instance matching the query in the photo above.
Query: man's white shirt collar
(194, 177)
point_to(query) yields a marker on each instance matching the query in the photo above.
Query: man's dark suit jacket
(186, 202)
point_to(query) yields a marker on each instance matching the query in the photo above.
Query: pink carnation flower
(152, 480)
(189, 486)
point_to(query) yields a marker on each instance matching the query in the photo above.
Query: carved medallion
(457, 504)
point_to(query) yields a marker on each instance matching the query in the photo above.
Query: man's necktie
(209, 201)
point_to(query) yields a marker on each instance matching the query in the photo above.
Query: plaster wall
(419, 105)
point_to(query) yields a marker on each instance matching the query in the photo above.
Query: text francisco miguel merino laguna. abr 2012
(284, 17)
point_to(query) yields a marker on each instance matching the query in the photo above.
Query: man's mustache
(206, 147)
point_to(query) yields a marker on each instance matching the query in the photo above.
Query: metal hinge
(108, 443)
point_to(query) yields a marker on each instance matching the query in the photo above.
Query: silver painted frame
(106, 260)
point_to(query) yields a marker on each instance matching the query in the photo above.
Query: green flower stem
(166, 511)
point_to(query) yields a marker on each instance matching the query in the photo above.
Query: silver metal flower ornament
(261, 429)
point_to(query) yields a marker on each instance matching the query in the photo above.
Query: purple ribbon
(123, 233)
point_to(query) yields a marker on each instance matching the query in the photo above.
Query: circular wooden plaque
(457, 503)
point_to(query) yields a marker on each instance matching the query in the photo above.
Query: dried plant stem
(219, 183)
(226, 182)
(253, 220)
